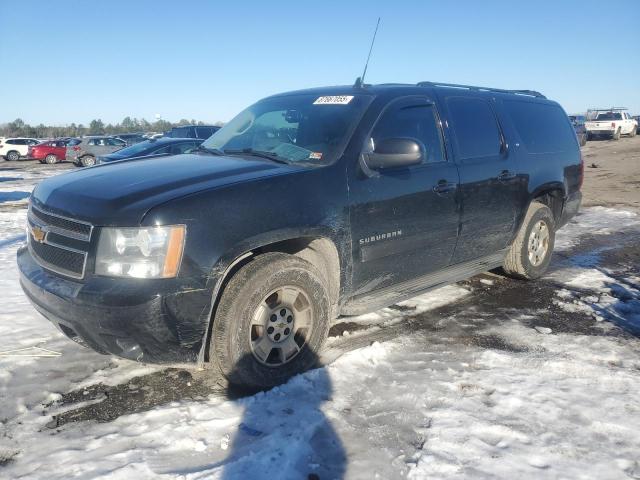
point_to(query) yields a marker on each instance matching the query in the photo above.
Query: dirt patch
(104, 403)
(617, 163)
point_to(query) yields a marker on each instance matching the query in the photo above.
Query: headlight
(145, 252)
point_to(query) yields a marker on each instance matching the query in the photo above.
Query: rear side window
(475, 127)
(416, 121)
(204, 132)
(543, 128)
(181, 132)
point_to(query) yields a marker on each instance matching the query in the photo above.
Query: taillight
(76, 148)
(613, 124)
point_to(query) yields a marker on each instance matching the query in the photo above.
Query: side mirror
(394, 153)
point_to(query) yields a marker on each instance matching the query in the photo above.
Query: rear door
(404, 221)
(491, 187)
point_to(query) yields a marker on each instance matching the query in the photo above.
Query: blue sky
(71, 61)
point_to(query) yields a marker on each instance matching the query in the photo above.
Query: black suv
(192, 131)
(306, 206)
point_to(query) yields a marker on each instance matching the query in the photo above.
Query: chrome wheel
(538, 243)
(281, 325)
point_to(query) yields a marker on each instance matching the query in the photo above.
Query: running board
(383, 297)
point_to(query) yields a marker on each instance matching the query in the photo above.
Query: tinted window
(114, 142)
(542, 127)
(73, 142)
(205, 132)
(416, 121)
(609, 116)
(181, 132)
(475, 127)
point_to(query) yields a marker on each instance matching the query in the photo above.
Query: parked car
(85, 152)
(307, 205)
(52, 151)
(192, 131)
(611, 123)
(16, 148)
(637, 119)
(131, 138)
(578, 125)
(148, 148)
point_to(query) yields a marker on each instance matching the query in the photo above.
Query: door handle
(444, 188)
(506, 175)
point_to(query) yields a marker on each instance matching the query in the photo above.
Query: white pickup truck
(611, 123)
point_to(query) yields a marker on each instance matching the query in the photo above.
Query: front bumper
(570, 208)
(155, 321)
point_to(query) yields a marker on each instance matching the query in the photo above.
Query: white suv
(15, 148)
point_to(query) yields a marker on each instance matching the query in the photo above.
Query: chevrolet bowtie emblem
(38, 234)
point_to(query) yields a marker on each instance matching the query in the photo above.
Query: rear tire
(530, 253)
(13, 156)
(616, 136)
(253, 343)
(88, 161)
(51, 159)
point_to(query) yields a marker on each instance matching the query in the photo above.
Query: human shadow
(284, 434)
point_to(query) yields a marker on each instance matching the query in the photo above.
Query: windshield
(136, 149)
(609, 116)
(295, 128)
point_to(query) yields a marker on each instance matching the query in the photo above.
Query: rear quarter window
(543, 128)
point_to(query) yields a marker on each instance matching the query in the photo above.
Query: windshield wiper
(213, 151)
(258, 153)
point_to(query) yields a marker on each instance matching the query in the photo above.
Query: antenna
(360, 80)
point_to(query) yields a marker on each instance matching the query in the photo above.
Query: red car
(51, 152)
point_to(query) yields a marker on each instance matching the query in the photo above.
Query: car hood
(122, 192)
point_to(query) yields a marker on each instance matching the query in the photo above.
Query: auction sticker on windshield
(334, 100)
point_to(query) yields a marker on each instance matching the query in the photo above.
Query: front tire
(271, 322)
(51, 159)
(88, 161)
(530, 253)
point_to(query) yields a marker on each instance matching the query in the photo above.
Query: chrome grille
(58, 243)
(61, 225)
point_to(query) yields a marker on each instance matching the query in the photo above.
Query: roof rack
(530, 93)
(610, 109)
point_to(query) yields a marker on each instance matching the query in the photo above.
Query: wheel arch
(552, 195)
(319, 249)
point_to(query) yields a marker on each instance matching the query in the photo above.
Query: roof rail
(530, 93)
(610, 109)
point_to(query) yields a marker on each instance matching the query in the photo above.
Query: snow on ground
(425, 404)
